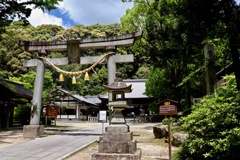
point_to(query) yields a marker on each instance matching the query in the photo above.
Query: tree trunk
(236, 63)
(188, 96)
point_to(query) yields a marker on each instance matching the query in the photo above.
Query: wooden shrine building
(11, 95)
(72, 105)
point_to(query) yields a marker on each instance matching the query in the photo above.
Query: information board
(102, 116)
(167, 110)
(51, 111)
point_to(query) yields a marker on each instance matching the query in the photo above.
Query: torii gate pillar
(111, 65)
(34, 129)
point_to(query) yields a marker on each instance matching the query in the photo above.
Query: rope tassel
(74, 80)
(61, 78)
(86, 77)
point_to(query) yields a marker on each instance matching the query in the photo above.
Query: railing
(81, 117)
(66, 116)
(92, 119)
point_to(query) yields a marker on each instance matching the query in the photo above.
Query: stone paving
(54, 147)
(68, 138)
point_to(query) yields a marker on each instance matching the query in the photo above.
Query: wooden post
(46, 120)
(210, 68)
(102, 127)
(169, 138)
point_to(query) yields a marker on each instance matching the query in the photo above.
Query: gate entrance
(73, 48)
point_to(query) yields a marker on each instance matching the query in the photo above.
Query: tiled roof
(93, 99)
(17, 90)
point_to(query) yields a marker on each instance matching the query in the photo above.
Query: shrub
(165, 120)
(213, 126)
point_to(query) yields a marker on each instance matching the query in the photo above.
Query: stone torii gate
(73, 48)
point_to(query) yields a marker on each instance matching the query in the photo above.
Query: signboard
(51, 111)
(102, 116)
(167, 110)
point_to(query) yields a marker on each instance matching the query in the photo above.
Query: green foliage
(157, 82)
(207, 21)
(28, 81)
(83, 32)
(174, 35)
(142, 73)
(22, 114)
(45, 32)
(12, 9)
(95, 85)
(213, 126)
(160, 85)
(11, 54)
(134, 19)
(165, 120)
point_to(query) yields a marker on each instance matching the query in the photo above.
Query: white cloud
(38, 18)
(88, 12)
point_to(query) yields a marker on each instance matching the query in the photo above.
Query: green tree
(210, 20)
(164, 46)
(11, 54)
(213, 126)
(142, 73)
(45, 32)
(28, 81)
(11, 9)
(176, 32)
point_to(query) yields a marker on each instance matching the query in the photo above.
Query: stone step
(117, 147)
(111, 156)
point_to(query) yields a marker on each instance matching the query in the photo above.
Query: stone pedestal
(120, 128)
(33, 131)
(117, 143)
(114, 156)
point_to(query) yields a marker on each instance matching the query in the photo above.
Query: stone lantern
(118, 89)
(117, 142)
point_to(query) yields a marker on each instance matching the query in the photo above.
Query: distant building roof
(14, 90)
(74, 96)
(93, 99)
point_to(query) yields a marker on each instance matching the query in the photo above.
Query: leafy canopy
(11, 9)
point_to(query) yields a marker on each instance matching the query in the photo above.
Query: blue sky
(86, 12)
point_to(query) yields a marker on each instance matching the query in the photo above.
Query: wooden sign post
(168, 107)
(51, 112)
